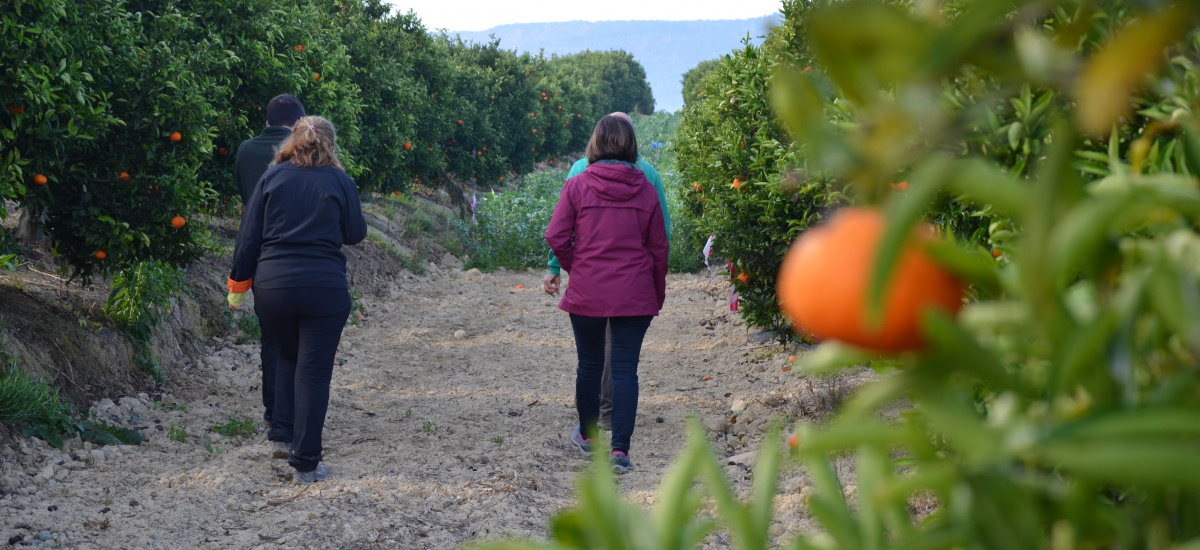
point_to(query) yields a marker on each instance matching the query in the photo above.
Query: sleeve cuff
(555, 271)
(239, 286)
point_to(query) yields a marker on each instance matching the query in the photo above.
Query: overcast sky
(478, 15)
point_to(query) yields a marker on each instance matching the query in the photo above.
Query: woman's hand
(236, 299)
(550, 284)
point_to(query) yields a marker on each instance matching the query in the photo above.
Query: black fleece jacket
(294, 227)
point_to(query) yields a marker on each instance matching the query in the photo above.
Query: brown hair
(313, 144)
(613, 138)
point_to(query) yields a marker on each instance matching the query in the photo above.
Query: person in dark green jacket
(551, 282)
(253, 158)
(257, 153)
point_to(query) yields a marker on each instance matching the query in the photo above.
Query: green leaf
(1143, 461)
(1105, 86)
(984, 183)
(953, 350)
(976, 265)
(1191, 148)
(863, 45)
(833, 356)
(801, 109)
(1078, 237)
(1171, 422)
(904, 211)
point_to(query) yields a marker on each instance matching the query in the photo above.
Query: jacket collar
(276, 131)
(616, 162)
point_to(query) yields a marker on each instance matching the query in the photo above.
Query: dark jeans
(268, 355)
(606, 380)
(627, 335)
(306, 325)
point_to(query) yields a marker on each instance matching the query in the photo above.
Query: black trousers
(269, 357)
(305, 325)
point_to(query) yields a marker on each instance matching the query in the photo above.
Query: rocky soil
(449, 421)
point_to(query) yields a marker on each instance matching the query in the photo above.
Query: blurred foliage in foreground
(1061, 408)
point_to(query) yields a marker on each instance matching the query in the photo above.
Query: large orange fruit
(100, 255)
(175, 137)
(178, 222)
(40, 179)
(824, 279)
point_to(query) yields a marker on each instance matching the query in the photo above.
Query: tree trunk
(29, 228)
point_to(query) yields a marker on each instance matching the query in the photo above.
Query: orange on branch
(825, 277)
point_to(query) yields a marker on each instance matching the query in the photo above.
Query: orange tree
(618, 79)
(729, 133)
(487, 81)
(117, 129)
(1059, 408)
(735, 165)
(260, 49)
(693, 81)
(391, 149)
(515, 109)
(45, 94)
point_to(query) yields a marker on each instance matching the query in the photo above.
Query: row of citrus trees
(118, 117)
(1055, 146)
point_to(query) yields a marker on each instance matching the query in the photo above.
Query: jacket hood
(615, 182)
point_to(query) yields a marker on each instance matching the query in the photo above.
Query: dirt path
(448, 423)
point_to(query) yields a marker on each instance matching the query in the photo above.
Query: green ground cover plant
(33, 406)
(510, 223)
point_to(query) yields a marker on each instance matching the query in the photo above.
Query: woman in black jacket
(303, 209)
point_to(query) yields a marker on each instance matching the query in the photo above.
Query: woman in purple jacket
(608, 234)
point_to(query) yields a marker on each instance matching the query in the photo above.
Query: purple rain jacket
(608, 234)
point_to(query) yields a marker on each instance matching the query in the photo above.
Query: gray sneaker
(320, 474)
(584, 445)
(280, 449)
(620, 461)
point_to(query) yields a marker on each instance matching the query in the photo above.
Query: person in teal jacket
(551, 282)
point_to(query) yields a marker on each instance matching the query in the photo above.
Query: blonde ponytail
(313, 144)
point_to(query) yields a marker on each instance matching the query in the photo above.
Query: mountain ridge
(665, 49)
